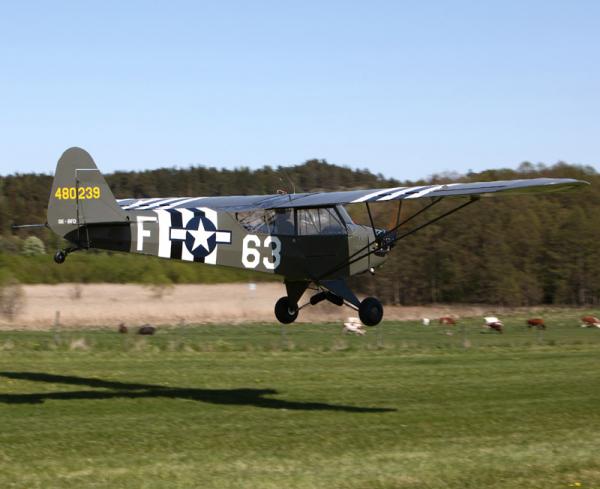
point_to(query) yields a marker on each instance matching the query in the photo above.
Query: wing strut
(351, 259)
(399, 212)
(388, 238)
(474, 198)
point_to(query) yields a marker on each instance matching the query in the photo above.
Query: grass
(245, 406)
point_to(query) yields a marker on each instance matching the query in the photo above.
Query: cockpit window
(254, 221)
(324, 220)
(271, 221)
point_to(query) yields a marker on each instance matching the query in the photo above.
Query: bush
(33, 246)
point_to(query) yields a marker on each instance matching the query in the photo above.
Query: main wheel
(370, 311)
(60, 256)
(284, 312)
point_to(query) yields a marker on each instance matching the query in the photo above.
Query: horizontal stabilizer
(28, 226)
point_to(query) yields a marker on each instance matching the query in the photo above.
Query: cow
(122, 328)
(353, 325)
(492, 322)
(590, 322)
(147, 329)
(447, 320)
(536, 323)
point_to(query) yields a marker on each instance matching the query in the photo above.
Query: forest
(506, 250)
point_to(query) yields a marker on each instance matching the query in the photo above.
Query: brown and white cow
(447, 320)
(590, 322)
(492, 322)
(536, 323)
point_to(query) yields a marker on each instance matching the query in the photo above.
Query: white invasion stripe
(150, 204)
(181, 202)
(186, 215)
(164, 226)
(211, 215)
(160, 203)
(424, 192)
(139, 203)
(133, 202)
(398, 194)
(374, 194)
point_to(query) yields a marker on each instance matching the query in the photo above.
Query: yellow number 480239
(80, 193)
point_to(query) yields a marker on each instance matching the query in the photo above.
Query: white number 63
(251, 256)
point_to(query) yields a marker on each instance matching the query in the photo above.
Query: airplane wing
(315, 199)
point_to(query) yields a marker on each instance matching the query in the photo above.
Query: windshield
(344, 214)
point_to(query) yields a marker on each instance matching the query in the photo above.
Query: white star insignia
(201, 236)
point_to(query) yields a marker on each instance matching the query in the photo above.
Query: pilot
(284, 221)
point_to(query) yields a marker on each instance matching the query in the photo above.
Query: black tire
(60, 256)
(370, 311)
(284, 313)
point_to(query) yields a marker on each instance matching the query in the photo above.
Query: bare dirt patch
(107, 305)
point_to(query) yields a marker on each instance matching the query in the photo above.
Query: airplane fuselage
(300, 244)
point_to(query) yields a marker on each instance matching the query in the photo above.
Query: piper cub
(308, 238)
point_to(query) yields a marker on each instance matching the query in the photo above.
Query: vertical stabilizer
(80, 195)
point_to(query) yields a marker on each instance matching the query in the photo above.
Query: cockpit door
(322, 240)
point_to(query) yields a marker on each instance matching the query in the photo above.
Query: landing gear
(337, 292)
(370, 311)
(285, 312)
(60, 256)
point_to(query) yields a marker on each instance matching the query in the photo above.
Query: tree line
(509, 250)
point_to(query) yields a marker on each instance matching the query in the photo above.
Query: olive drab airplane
(307, 238)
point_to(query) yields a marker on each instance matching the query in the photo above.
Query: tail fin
(80, 195)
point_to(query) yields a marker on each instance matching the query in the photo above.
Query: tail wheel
(370, 311)
(60, 256)
(284, 312)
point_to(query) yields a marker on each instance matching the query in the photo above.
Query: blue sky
(403, 88)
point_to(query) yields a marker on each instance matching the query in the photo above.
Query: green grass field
(257, 407)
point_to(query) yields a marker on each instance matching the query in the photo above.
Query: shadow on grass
(241, 397)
